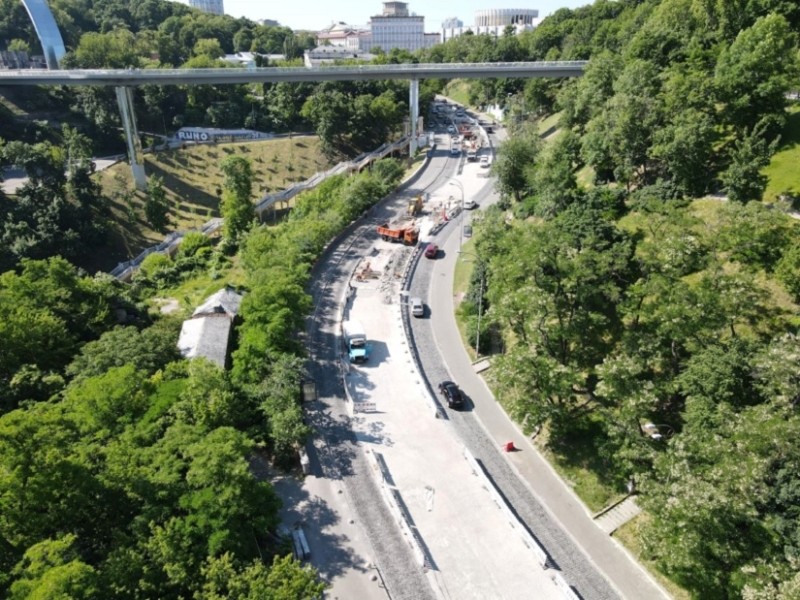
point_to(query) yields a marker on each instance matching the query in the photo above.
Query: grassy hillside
(783, 172)
(193, 182)
(458, 90)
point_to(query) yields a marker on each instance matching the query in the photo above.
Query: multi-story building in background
(343, 35)
(210, 6)
(452, 23)
(397, 28)
(494, 22)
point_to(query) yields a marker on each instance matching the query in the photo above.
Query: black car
(453, 395)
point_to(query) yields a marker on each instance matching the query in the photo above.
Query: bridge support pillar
(135, 157)
(413, 103)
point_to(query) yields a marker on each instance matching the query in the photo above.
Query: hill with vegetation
(124, 469)
(649, 331)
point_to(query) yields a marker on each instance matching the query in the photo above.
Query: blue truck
(355, 339)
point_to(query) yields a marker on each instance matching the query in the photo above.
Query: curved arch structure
(47, 30)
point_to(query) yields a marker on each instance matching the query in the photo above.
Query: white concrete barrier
(564, 587)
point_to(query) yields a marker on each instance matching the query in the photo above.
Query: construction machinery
(415, 206)
(407, 234)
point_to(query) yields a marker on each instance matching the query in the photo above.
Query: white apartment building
(397, 28)
(494, 22)
(210, 6)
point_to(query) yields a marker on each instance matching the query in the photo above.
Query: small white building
(208, 332)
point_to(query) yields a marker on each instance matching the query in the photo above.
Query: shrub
(192, 242)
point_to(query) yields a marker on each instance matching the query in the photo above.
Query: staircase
(617, 515)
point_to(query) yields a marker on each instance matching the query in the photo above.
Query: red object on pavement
(509, 447)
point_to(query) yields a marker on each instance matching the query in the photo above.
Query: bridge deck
(136, 77)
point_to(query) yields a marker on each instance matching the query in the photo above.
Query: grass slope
(193, 181)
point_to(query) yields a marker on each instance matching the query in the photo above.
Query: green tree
(208, 47)
(18, 45)
(148, 350)
(279, 400)
(515, 158)
(749, 154)
(788, 271)
(209, 400)
(555, 286)
(286, 579)
(156, 205)
(685, 147)
(754, 73)
(237, 204)
(755, 235)
(554, 178)
(698, 493)
(113, 50)
(53, 569)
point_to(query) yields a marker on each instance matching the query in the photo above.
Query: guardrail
(136, 77)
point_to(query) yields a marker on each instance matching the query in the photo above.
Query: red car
(431, 251)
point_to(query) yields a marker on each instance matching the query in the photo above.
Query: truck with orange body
(408, 234)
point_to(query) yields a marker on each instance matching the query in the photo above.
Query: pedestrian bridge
(136, 77)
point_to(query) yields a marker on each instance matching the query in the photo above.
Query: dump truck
(355, 339)
(408, 234)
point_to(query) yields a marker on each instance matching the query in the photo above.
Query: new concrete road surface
(399, 503)
(466, 541)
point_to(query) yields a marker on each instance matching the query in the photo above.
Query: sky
(317, 14)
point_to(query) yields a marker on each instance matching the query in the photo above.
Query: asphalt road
(549, 509)
(356, 545)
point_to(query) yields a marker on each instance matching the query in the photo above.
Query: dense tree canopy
(642, 327)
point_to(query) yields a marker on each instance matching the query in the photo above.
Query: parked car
(452, 394)
(451, 129)
(417, 307)
(485, 162)
(431, 251)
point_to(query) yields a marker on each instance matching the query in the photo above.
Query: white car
(485, 162)
(417, 307)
